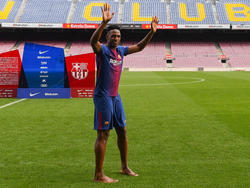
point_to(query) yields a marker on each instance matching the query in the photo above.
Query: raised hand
(154, 23)
(106, 16)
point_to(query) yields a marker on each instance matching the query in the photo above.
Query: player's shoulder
(104, 49)
(123, 49)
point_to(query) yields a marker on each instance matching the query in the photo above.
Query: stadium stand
(90, 11)
(191, 12)
(127, 12)
(46, 11)
(151, 57)
(195, 54)
(6, 46)
(237, 52)
(233, 11)
(9, 10)
(142, 12)
(80, 47)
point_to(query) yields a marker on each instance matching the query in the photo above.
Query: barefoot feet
(104, 179)
(129, 172)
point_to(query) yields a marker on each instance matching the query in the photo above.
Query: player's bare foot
(105, 179)
(129, 172)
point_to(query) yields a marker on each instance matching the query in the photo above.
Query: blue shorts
(109, 112)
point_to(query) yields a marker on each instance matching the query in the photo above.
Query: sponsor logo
(33, 94)
(43, 52)
(51, 94)
(43, 57)
(44, 76)
(79, 71)
(80, 26)
(115, 62)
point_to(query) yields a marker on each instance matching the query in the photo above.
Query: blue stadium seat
(233, 11)
(142, 12)
(46, 11)
(186, 12)
(9, 10)
(90, 12)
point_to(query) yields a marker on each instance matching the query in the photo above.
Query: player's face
(113, 38)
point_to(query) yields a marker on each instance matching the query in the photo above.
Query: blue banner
(40, 93)
(43, 66)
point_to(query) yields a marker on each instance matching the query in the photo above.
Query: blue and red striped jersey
(109, 67)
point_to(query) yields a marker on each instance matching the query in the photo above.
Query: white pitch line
(167, 83)
(9, 104)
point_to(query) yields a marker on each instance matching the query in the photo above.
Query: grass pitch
(185, 129)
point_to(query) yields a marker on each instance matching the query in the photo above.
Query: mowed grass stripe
(227, 98)
(193, 130)
(175, 138)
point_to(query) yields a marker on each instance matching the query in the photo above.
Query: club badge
(79, 71)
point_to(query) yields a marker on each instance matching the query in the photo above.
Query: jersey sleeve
(102, 49)
(125, 50)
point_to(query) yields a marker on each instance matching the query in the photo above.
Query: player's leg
(122, 142)
(100, 149)
(102, 123)
(123, 147)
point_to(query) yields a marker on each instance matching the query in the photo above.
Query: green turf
(180, 135)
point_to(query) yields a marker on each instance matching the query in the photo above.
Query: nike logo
(43, 52)
(34, 94)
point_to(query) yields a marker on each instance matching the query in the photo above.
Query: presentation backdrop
(81, 74)
(10, 67)
(43, 66)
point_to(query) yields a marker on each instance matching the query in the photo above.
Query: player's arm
(106, 17)
(143, 43)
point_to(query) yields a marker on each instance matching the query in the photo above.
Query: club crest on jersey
(79, 71)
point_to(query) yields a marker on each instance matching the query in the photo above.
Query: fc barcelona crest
(79, 71)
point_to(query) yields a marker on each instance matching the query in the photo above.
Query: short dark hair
(111, 27)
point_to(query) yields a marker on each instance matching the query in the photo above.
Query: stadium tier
(192, 12)
(126, 12)
(142, 12)
(9, 10)
(233, 11)
(237, 52)
(89, 12)
(184, 54)
(151, 57)
(195, 54)
(79, 47)
(45, 11)
(6, 46)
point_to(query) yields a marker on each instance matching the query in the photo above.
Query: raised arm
(106, 17)
(143, 43)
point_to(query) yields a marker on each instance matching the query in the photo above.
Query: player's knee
(121, 131)
(103, 135)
